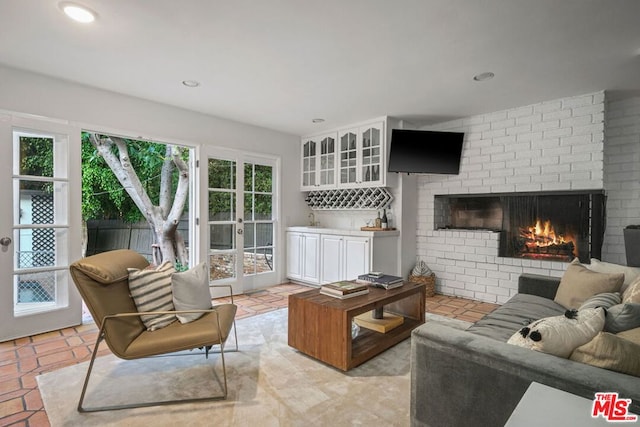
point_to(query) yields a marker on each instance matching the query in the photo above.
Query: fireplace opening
(553, 226)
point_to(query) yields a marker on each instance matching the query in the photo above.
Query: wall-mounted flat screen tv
(422, 151)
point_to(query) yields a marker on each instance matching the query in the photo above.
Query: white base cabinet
(303, 250)
(320, 256)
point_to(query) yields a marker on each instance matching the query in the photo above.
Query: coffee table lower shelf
(320, 326)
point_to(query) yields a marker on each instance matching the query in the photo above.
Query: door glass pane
(222, 266)
(222, 206)
(222, 174)
(40, 223)
(263, 206)
(36, 156)
(249, 234)
(264, 178)
(221, 236)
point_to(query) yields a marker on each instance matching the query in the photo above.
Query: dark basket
(429, 281)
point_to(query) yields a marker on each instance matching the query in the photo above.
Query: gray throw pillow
(191, 292)
(622, 317)
(605, 299)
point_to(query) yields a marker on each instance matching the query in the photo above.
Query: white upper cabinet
(319, 162)
(361, 156)
(352, 157)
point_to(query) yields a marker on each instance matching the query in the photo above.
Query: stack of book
(344, 289)
(379, 280)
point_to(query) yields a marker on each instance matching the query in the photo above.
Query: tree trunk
(165, 217)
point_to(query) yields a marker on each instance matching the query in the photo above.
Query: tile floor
(23, 359)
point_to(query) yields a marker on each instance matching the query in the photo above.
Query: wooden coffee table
(320, 325)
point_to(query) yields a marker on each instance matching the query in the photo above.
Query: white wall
(94, 109)
(554, 145)
(622, 174)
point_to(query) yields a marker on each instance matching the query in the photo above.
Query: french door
(242, 219)
(37, 236)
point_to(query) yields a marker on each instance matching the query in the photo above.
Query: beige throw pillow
(191, 292)
(611, 352)
(632, 293)
(579, 283)
(630, 273)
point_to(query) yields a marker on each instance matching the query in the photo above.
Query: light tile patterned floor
(23, 359)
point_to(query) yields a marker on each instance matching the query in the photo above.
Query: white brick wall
(622, 174)
(554, 145)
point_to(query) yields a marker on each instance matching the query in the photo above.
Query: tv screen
(422, 151)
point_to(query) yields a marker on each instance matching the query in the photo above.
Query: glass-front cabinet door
(309, 164)
(348, 169)
(361, 156)
(371, 154)
(327, 161)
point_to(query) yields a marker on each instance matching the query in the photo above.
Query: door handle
(5, 241)
(240, 231)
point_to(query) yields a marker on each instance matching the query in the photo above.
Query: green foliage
(103, 197)
(36, 159)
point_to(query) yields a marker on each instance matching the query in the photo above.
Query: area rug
(270, 384)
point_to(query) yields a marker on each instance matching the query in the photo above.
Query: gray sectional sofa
(474, 378)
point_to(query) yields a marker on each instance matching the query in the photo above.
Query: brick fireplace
(552, 148)
(548, 226)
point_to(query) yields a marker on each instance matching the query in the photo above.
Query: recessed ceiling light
(78, 13)
(317, 120)
(191, 83)
(483, 76)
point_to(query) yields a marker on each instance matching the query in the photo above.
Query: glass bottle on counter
(385, 222)
(378, 221)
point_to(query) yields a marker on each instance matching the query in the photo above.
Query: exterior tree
(163, 216)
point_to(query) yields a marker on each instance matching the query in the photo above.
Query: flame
(542, 234)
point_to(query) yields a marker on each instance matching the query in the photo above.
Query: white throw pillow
(151, 291)
(191, 292)
(560, 335)
(630, 273)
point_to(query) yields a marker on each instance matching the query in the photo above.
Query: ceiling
(281, 63)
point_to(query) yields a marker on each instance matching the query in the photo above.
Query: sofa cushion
(151, 291)
(579, 284)
(519, 311)
(630, 273)
(191, 292)
(560, 335)
(631, 335)
(611, 352)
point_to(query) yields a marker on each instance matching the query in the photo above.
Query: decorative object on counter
(349, 198)
(378, 221)
(421, 273)
(385, 221)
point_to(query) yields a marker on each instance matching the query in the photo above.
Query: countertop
(343, 232)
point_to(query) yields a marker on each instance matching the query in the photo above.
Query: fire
(542, 235)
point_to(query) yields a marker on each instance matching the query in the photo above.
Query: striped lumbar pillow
(151, 291)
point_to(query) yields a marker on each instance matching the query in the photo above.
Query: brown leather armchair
(102, 280)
